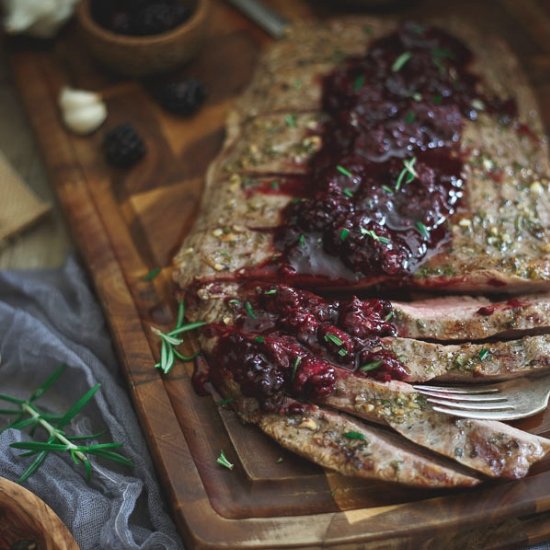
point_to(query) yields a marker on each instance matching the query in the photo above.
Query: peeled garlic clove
(69, 98)
(82, 111)
(85, 119)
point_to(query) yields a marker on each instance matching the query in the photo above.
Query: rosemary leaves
(29, 415)
(171, 340)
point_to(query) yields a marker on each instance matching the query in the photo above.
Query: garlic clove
(70, 98)
(82, 111)
(86, 119)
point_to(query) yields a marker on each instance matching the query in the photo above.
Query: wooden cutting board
(126, 223)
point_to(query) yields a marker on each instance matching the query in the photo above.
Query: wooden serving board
(126, 223)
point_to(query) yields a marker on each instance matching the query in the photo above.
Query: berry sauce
(388, 176)
(290, 341)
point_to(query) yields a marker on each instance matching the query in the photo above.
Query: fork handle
(273, 23)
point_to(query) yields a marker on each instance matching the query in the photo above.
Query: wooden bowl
(26, 522)
(139, 56)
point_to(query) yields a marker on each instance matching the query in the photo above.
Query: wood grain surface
(27, 523)
(127, 222)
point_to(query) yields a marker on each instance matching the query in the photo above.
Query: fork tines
(453, 400)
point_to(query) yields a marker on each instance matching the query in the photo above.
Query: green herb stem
(401, 61)
(53, 432)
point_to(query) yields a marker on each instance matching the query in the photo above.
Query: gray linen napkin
(51, 317)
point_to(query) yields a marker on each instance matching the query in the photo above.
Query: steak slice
(467, 318)
(468, 362)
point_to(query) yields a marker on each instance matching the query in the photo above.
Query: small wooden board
(127, 222)
(26, 522)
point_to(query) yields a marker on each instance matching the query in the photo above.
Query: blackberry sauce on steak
(390, 170)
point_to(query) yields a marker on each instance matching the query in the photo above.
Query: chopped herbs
(290, 121)
(222, 461)
(301, 240)
(344, 233)
(422, 229)
(373, 235)
(359, 83)
(417, 96)
(329, 337)
(373, 365)
(368, 30)
(225, 402)
(298, 84)
(250, 310)
(342, 352)
(259, 339)
(153, 274)
(348, 192)
(437, 100)
(410, 117)
(344, 171)
(389, 316)
(417, 28)
(442, 53)
(170, 341)
(295, 366)
(400, 62)
(270, 292)
(234, 302)
(478, 104)
(275, 185)
(438, 54)
(354, 435)
(408, 173)
(483, 354)
(387, 189)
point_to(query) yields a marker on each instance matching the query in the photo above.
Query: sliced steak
(467, 318)
(401, 168)
(366, 331)
(468, 362)
(270, 374)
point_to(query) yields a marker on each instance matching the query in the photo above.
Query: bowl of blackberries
(143, 37)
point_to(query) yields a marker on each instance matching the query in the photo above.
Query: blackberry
(181, 98)
(159, 17)
(139, 17)
(123, 146)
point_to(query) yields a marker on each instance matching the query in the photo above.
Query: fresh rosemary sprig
(171, 340)
(28, 415)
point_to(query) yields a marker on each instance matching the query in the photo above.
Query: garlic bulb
(40, 18)
(82, 111)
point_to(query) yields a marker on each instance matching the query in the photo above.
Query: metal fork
(508, 400)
